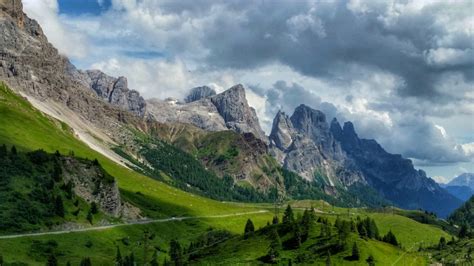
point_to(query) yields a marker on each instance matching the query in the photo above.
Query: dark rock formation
(199, 93)
(394, 176)
(115, 91)
(232, 105)
(305, 145)
(227, 110)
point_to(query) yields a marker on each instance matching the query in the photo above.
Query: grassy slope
(245, 251)
(25, 127)
(29, 129)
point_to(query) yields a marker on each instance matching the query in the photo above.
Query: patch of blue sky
(83, 7)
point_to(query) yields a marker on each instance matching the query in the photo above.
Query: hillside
(464, 214)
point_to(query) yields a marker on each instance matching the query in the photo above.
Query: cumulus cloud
(68, 41)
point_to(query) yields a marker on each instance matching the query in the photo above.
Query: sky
(401, 71)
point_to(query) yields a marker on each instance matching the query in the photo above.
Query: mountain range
(106, 114)
(461, 186)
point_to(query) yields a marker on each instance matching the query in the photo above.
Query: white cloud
(69, 42)
(448, 56)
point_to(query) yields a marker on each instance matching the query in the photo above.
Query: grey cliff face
(392, 175)
(115, 91)
(224, 111)
(282, 131)
(199, 93)
(88, 183)
(306, 146)
(233, 107)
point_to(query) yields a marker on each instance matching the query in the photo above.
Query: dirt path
(96, 228)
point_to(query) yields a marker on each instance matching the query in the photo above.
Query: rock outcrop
(304, 144)
(93, 184)
(114, 91)
(227, 110)
(199, 93)
(392, 175)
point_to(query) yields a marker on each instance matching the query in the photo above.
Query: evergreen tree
(296, 240)
(288, 216)
(3, 151)
(52, 261)
(328, 259)
(355, 252)
(370, 260)
(68, 263)
(275, 220)
(57, 171)
(89, 217)
(275, 246)
(390, 238)
(176, 253)
(249, 228)
(94, 208)
(59, 206)
(118, 258)
(306, 223)
(1, 257)
(86, 262)
(154, 259)
(13, 150)
(442, 243)
(464, 231)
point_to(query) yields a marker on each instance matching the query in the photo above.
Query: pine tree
(442, 243)
(68, 263)
(275, 220)
(13, 150)
(390, 238)
(86, 262)
(118, 258)
(90, 217)
(355, 252)
(59, 206)
(328, 259)
(288, 216)
(57, 171)
(154, 259)
(176, 253)
(94, 208)
(464, 231)
(3, 151)
(370, 260)
(275, 246)
(52, 261)
(1, 257)
(306, 223)
(249, 228)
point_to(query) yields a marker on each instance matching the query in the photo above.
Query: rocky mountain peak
(336, 128)
(233, 107)
(113, 90)
(308, 120)
(199, 93)
(282, 131)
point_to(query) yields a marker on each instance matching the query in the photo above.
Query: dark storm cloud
(319, 39)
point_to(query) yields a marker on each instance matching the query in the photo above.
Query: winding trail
(104, 227)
